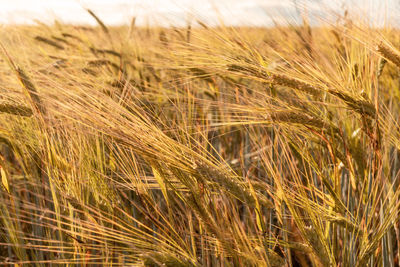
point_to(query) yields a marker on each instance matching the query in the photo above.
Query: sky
(180, 12)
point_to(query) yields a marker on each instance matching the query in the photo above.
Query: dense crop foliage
(200, 146)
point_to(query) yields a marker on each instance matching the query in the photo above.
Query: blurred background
(180, 12)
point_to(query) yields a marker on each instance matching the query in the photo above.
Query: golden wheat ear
(11, 108)
(389, 53)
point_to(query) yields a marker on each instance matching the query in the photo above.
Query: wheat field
(200, 146)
